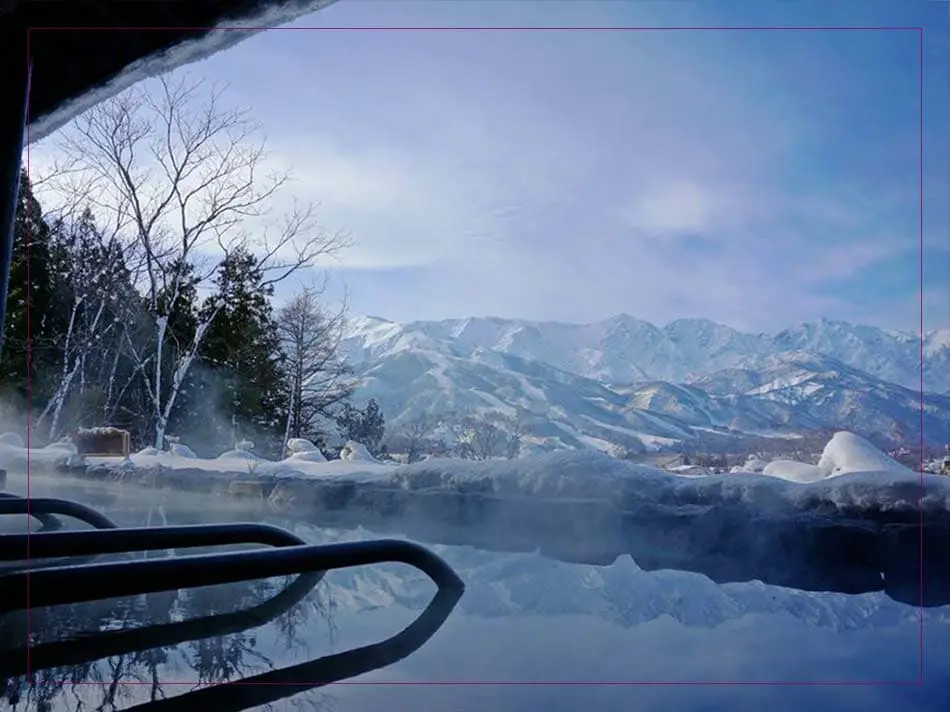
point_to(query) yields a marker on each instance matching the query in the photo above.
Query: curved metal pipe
(88, 582)
(37, 507)
(48, 521)
(116, 541)
(265, 688)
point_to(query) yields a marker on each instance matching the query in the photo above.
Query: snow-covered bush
(295, 445)
(356, 451)
(182, 451)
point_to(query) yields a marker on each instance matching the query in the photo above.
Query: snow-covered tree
(366, 426)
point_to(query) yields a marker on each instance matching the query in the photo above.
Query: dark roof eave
(113, 59)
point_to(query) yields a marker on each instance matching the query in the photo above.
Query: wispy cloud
(753, 178)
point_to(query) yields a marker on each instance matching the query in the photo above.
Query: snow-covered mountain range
(628, 382)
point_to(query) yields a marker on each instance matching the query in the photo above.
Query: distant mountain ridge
(623, 349)
(625, 381)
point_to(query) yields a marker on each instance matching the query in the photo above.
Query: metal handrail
(96, 542)
(68, 584)
(43, 506)
(265, 688)
(89, 582)
(48, 521)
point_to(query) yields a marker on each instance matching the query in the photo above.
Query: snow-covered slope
(623, 349)
(564, 378)
(836, 395)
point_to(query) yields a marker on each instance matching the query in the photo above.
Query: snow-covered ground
(850, 523)
(305, 460)
(850, 468)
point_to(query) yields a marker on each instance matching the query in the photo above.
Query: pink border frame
(919, 30)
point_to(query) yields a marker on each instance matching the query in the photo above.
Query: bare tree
(319, 378)
(93, 274)
(183, 178)
(412, 437)
(487, 436)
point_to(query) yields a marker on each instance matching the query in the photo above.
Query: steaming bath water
(523, 618)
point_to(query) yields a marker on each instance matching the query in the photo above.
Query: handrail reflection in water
(266, 688)
(77, 583)
(104, 644)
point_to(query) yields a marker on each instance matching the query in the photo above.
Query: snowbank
(753, 464)
(302, 450)
(182, 450)
(794, 471)
(296, 445)
(356, 452)
(242, 464)
(315, 456)
(58, 455)
(847, 452)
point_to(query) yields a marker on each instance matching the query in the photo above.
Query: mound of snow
(99, 430)
(689, 471)
(794, 471)
(11, 439)
(182, 451)
(63, 444)
(356, 451)
(296, 445)
(314, 456)
(148, 451)
(238, 453)
(14, 457)
(564, 473)
(847, 452)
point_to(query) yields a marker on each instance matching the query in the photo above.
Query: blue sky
(755, 178)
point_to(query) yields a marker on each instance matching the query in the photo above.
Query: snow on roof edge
(273, 14)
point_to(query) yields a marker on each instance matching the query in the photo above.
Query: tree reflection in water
(110, 654)
(119, 680)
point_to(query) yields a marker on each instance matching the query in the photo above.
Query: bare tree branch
(179, 176)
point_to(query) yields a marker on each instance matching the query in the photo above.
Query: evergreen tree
(241, 378)
(34, 304)
(366, 426)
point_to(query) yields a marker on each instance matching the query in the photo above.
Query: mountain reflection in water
(522, 619)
